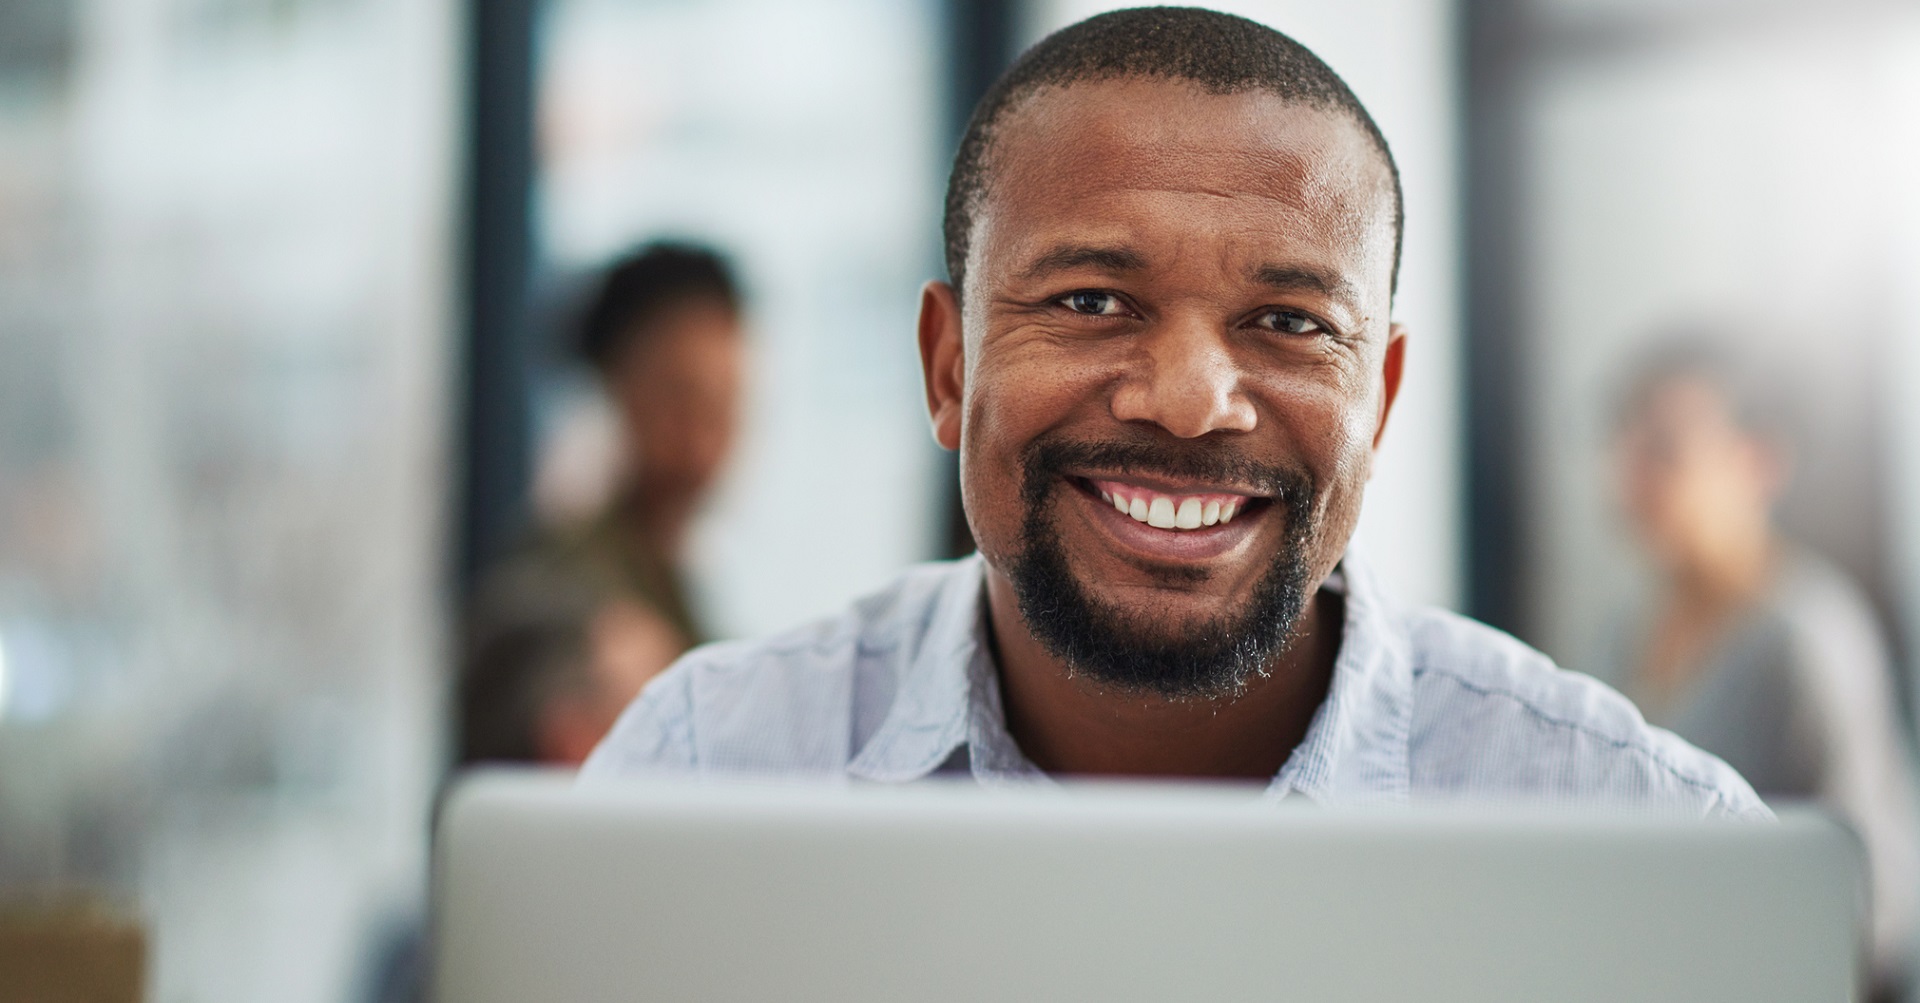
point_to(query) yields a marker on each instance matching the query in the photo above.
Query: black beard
(1209, 660)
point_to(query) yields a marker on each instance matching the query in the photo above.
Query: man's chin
(1160, 613)
(1167, 641)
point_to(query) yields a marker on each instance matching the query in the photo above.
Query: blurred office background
(281, 291)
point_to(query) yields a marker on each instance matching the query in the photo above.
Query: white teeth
(1167, 512)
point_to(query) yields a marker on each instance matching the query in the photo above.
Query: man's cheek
(998, 415)
(1351, 425)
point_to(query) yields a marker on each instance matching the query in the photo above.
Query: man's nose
(1186, 380)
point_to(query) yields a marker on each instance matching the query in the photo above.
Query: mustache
(1211, 460)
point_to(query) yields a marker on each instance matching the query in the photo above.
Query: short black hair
(1220, 52)
(641, 284)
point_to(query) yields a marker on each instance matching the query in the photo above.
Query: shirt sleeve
(653, 735)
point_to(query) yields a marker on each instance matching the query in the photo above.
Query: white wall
(1397, 55)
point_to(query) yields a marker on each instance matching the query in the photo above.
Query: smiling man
(1166, 360)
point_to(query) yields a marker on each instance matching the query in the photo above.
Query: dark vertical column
(495, 426)
(980, 45)
(980, 34)
(1495, 37)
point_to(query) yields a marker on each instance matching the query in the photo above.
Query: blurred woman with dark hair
(1760, 651)
(565, 631)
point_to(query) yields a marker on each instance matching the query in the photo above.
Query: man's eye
(1097, 304)
(1288, 322)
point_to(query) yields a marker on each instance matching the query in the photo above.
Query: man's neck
(1067, 724)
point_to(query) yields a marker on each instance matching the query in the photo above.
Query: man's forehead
(1259, 131)
(1081, 150)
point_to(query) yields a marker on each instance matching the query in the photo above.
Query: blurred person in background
(563, 634)
(664, 335)
(551, 661)
(1759, 650)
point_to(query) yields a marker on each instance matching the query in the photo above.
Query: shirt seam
(1621, 744)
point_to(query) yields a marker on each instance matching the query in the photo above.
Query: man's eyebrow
(1289, 278)
(1060, 259)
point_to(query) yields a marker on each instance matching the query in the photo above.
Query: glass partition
(224, 237)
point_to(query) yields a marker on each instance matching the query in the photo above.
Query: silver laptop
(658, 891)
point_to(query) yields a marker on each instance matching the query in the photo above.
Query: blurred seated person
(551, 660)
(1758, 651)
(663, 333)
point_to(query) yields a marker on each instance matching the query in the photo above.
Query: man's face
(1176, 303)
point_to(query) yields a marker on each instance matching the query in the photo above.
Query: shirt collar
(1355, 751)
(930, 716)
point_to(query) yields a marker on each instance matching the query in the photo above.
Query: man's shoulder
(1496, 718)
(788, 702)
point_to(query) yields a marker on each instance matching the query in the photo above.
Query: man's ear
(943, 361)
(1392, 367)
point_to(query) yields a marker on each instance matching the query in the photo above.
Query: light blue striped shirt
(1424, 706)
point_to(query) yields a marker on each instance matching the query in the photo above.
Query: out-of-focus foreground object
(545, 890)
(70, 952)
